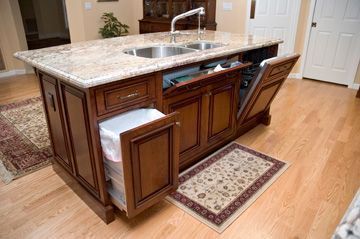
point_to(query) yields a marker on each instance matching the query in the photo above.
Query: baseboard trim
(354, 86)
(12, 73)
(295, 76)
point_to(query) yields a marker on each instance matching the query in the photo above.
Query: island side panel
(83, 170)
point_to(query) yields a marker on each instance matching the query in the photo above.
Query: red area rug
(219, 188)
(24, 139)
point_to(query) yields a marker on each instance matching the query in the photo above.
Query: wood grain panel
(154, 180)
(116, 97)
(151, 162)
(281, 69)
(55, 120)
(264, 99)
(77, 121)
(189, 109)
(120, 95)
(263, 89)
(221, 110)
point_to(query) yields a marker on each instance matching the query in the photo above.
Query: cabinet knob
(178, 123)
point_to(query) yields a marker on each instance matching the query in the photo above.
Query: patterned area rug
(219, 188)
(24, 141)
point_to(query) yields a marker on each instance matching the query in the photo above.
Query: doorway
(333, 50)
(45, 23)
(275, 19)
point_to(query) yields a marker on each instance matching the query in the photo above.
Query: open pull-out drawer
(147, 167)
(201, 78)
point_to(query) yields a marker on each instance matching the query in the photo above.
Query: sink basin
(159, 51)
(203, 45)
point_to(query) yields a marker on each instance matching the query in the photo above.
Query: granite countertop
(91, 63)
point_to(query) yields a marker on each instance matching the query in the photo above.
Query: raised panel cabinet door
(222, 111)
(189, 108)
(78, 125)
(265, 87)
(55, 121)
(151, 162)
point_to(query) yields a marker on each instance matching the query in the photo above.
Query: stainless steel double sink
(162, 51)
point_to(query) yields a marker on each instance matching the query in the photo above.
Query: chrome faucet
(200, 11)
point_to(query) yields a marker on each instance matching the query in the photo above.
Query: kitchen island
(84, 84)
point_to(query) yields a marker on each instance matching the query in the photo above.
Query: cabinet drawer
(149, 162)
(123, 95)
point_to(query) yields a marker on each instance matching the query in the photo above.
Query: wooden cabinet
(159, 13)
(76, 115)
(189, 106)
(55, 120)
(150, 156)
(264, 88)
(201, 115)
(222, 110)
(150, 152)
(124, 95)
(207, 111)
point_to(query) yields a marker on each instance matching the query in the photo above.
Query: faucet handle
(175, 32)
(203, 31)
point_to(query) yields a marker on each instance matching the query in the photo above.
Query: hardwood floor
(18, 88)
(315, 126)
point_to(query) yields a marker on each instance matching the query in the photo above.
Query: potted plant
(113, 27)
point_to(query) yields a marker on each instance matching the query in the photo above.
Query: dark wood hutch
(159, 13)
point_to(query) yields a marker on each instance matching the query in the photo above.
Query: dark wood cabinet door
(189, 107)
(78, 126)
(221, 111)
(55, 120)
(151, 162)
(265, 87)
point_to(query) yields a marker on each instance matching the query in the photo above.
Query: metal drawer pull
(52, 101)
(128, 96)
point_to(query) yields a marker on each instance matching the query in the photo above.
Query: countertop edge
(83, 83)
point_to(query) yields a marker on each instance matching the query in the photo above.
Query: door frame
(353, 68)
(293, 26)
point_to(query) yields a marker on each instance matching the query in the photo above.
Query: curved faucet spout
(200, 11)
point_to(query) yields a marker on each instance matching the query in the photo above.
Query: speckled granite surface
(92, 63)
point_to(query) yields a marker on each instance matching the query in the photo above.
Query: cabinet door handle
(52, 101)
(135, 94)
(178, 123)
